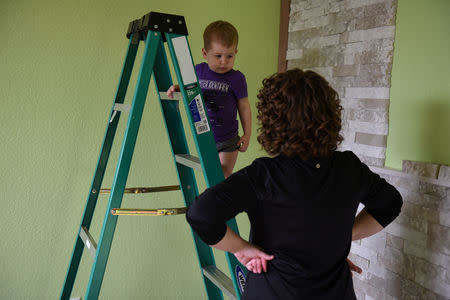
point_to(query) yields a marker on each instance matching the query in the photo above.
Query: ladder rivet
(155, 26)
(170, 29)
(168, 20)
(180, 22)
(94, 191)
(188, 187)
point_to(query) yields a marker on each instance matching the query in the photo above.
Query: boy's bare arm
(245, 115)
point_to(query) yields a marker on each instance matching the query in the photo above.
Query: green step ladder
(155, 29)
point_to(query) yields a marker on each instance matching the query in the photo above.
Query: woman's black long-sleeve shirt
(303, 213)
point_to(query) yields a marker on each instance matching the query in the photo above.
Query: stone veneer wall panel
(410, 258)
(350, 43)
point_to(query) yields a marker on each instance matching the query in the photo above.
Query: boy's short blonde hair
(222, 32)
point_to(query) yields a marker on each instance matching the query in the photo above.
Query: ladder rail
(186, 177)
(210, 161)
(100, 168)
(123, 167)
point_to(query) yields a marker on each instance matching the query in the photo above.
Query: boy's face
(220, 58)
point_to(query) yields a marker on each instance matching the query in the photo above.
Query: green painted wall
(419, 114)
(59, 66)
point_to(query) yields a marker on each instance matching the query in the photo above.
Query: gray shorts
(228, 145)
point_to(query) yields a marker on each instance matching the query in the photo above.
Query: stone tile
(394, 284)
(312, 12)
(334, 28)
(310, 23)
(348, 15)
(415, 223)
(420, 168)
(367, 289)
(364, 93)
(346, 70)
(372, 161)
(427, 254)
(394, 241)
(444, 173)
(371, 34)
(370, 151)
(444, 219)
(374, 57)
(294, 54)
(376, 242)
(427, 274)
(359, 294)
(359, 261)
(383, 8)
(398, 262)
(376, 281)
(439, 238)
(369, 254)
(413, 291)
(361, 3)
(371, 22)
(375, 104)
(321, 41)
(371, 139)
(368, 116)
(407, 233)
(429, 189)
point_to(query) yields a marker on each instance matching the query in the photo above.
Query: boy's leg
(228, 160)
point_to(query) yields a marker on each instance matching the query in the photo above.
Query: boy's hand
(172, 89)
(243, 143)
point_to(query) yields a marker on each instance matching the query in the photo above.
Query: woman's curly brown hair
(300, 115)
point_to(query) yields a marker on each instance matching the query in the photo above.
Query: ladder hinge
(160, 22)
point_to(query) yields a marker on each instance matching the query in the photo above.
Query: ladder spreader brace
(155, 29)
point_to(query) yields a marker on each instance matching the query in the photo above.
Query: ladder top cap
(155, 21)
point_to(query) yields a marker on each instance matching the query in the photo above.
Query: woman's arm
(365, 225)
(252, 257)
(245, 115)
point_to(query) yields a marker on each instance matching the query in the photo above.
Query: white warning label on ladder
(198, 115)
(184, 60)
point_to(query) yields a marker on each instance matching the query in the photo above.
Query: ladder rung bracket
(122, 107)
(119, 107)
(221, 280)
(141, 190)
(88, 241)
(176, 96)
(188, 160)
(148, 212)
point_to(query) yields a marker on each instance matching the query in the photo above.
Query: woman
(302, 201)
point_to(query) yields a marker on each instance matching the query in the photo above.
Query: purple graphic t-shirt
(221, 93)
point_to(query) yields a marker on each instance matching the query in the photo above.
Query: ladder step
(140, 190)
(88, 241)
(176, 96)
(221, 280)
(148, 212)
(188, 160)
